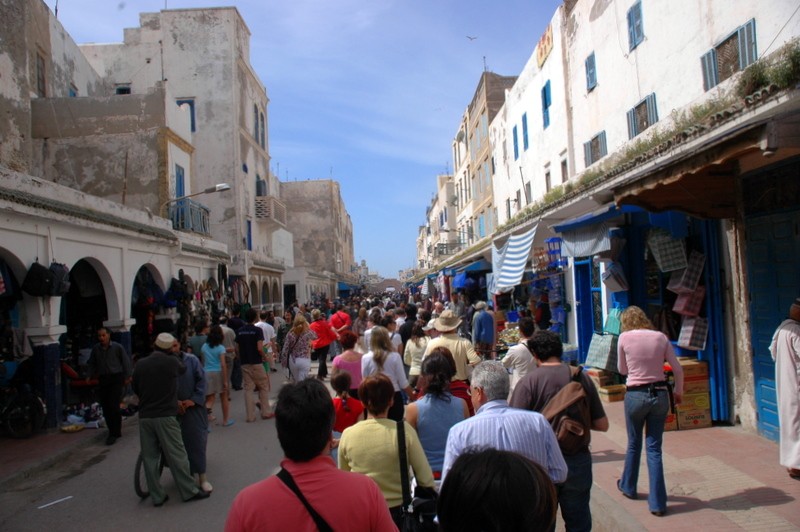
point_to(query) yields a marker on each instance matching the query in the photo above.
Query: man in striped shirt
(498, 426)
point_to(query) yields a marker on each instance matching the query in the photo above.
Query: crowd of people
(405, 375)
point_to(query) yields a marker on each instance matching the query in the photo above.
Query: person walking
(414, 349)
(382, 358)
(216, 374)
(155, 381)
(109, 362)
(322, 343)
(192, 415)
(346, 501)
(349, 361)
(250, 350)
(519, 358)
(534, 392)
(483, 331)
(296, 350)
(785, 351)
(642, 352)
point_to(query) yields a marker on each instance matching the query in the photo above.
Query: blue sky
(367, 92)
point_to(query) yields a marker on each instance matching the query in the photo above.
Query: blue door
(584, 306)
(773, 255)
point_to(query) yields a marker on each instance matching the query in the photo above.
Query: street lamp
(219, 187)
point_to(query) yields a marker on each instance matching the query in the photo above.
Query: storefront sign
(545, 46)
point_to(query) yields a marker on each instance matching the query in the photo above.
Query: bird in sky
(471, 38)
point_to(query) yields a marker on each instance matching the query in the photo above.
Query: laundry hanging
(509, 261)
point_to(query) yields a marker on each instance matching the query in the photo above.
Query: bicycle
(22, 412)
(140, 479)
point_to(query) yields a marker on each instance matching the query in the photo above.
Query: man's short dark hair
(304, 418)
(251, 315)
(545, 345)
(527, 327)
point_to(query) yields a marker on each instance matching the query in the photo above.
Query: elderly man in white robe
(785, 351)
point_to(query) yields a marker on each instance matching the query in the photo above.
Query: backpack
(569, 414)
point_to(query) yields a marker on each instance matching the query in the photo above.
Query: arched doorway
(264, 293)
(253, 293)
(11, 315)
(276, 292)
(146, 295)
(83, 311)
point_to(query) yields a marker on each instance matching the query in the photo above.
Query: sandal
(269, 416)
(229, 423)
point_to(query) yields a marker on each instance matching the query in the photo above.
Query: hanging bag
(603, 352)
(60, 279)
(419, 512)
(38, 281)
(613, 324)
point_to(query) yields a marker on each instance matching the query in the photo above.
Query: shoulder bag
(287, 479)
(419, 512)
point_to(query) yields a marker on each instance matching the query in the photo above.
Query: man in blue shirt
(483, 331)
(498, 426)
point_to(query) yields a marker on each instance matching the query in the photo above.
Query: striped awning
(509, 261)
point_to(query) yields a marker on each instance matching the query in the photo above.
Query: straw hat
(447, 321)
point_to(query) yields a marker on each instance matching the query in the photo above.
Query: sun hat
(480, 305)
(165, 341)
(447, 321)
(428, 326)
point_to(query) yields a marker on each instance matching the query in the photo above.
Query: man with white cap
(785, 351)
(155, 381)
(462, 350)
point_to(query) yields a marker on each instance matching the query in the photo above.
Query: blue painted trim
(612, 211)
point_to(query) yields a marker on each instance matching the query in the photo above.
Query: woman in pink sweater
(642, 351)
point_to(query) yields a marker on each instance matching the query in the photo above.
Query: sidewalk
(718, 478)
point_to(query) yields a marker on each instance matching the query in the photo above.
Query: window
(564, 171)
(516, 144)
(524, 131)
(255, 122)
(546, 100)
(122, 89)
(528, 193)
(591, 73)
(635, 26)
(180, 182)
(41, 80)
(642, 116)
(518, 201)
(508, 208)
(481, 227)
(595, 149)
(190, 103)
(263, 132)
(736, 52)
(547, 185)
(73, 90)
(249, 237)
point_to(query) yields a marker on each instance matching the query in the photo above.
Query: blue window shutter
(255, 121)
(249, 235)
(652, 109)
(587, 153)
(747, 44)
(524, 131)
(180, 183)
(635, 27)
(603, 145)
(516, 144)
(710, 74)
(631, 32)
(591, 74)
(481, 229)
(632, 123)
(546, 99)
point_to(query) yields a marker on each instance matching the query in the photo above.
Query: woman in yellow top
(370, 446)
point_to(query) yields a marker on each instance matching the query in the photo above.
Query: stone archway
(265, 295)
(276, 292)
(253, 293)
(86, 307)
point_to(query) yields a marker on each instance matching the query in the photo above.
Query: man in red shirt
(345, 501)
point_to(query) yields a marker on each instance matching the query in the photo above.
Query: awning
(586, 241)
(477, 266)
(344, 287)
(509, 260)
(606, 212)
(460, 280)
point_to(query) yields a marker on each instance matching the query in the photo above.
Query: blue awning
(344, 287)
(477, 266)
(605, 213)
(460, 280)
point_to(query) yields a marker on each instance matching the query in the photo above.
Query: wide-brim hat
(165, 341)
(447, 321)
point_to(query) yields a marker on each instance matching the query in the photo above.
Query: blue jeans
(643, 409)
(574, 493)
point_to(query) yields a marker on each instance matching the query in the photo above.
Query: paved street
(719, 478)
(95, 483)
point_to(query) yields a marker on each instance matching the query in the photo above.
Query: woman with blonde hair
(642, 352)
(382, 358)
(297, 348)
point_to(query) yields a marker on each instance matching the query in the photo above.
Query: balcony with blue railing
(189, 215)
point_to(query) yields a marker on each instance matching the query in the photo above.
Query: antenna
(484, 64)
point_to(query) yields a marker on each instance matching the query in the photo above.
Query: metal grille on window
(597, 311)
(728, 57)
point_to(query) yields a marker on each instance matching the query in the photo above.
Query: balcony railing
(447, 248)
(270, 208)
(188, 215)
